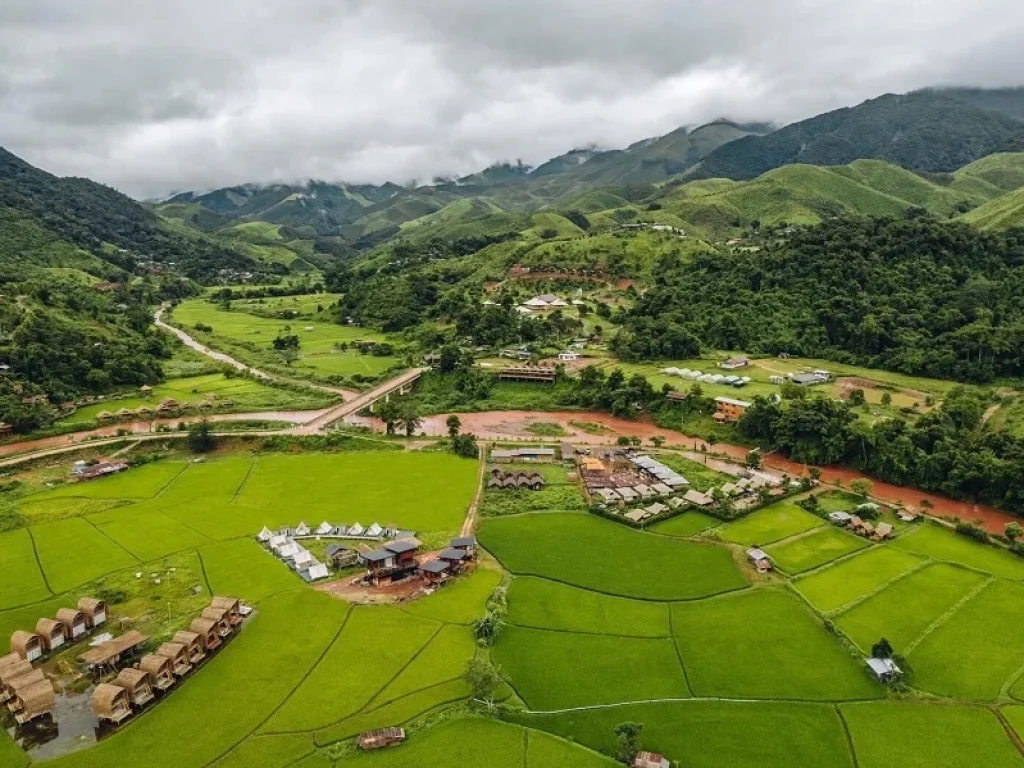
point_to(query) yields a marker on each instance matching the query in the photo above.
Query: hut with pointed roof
(207, 631)
(95, 611)
(160, 670)
(177, 654)
(28, 645)
(10, 673)
(20, 679)
(34, 702)
(193, 642)
(137, 685)
(104, 416)
(110, 703)
(222, 618)
(233, 606)
(75, 623)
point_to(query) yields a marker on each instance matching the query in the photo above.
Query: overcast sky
(152, 96)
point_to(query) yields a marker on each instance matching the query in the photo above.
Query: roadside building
(569, 356)
(734, 362)
(728, 409)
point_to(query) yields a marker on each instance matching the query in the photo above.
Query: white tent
(374, 530)
(302, 530)
(265, 535)
(324, 528)
(317, 571)
(277, 541)
(356, 530)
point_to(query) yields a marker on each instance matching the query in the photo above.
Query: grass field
(779, 521)
(940, 543)
(685, 525)
(608, 557)
(713, 734)
(903, 611)
(547, 604)
(701, 476)
(555, 669)
(497, 503)
(976, 650)
(887, 734)
(764, 644)
(832, 588)
(74, 551)
(22, 581)
(817, 547)
(251, 337)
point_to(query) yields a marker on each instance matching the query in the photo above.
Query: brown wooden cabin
(95, 611)
(207, 631)
(404, 551)
(8, 660)
(52, 634)
(110, 703)
(383, 737)
(465, 543)
(34, 702)
(28, 645)
(193, 643)
(76, 625)
(456, 559)
(109, 653)
(234, 608)
(221, 616)
(177, 654)
(136, 684)
(434, 572)
(24, 678)
(160, 670)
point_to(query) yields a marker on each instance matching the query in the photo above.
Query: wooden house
(383, 737)
(76, 625)
(233, 606)
(342, 556)
(109, 653)
(193, 642)
(110, 703)
(760, 559)
(28, 645)
(882, 532)
(95, 611)
(125, 413)
(160, 670)
(465, 543)
(220, 617)
(136, 684)
(52, 634)
(207, 631)
(177, 654)
(456, 558)
(434, 571)
(32, 703)
(728, 409)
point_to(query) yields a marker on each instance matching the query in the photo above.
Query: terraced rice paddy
(817, 547)
(773, 523)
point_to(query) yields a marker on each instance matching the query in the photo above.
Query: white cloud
(154, 96)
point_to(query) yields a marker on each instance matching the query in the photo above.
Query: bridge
(399, 385)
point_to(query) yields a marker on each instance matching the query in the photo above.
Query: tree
(882, 649)
(454, 424)
(886, 399)
(753, 460)
(484, 680)
(1014, 531)
(861, 487)
(465, 446)
(857, 397)
(815, 474)
(657, 441)
(201, 438)
(627, 735)
(388, 412)
(409, 419)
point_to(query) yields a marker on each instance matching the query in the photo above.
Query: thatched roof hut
(27, 645)
(207, 630)
(95, 611)
(104, 416)
(160, 670)
(8, 661)
(220, 615)
(75, 623)
(193, 643)
(177, 655)
(19, 676)
(144, 412)
(52, 633)
(137, 684)
(125, 413)
(110, 703)
(233, 606)
(34, 702)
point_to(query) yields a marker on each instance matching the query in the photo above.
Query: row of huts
(156, 673)
(855, 524)
(165, 409)
(514, 481)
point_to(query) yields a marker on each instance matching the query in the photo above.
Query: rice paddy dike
(669, 627)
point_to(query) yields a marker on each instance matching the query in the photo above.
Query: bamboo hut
(177, 654)
(125, 413)
(37, 701)
(207, 630)
(95, 611)
(193, 644)
(109, 653)
(221, 616)
(17, 685)
(52, 634)
(27, 645)
(11, 675)
(160, 670)
(110, 703)
(136, 684)
(76, 625)
(233, 606)
(104, 416)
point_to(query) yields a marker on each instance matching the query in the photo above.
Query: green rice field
(832, 588)
(685, 525)
(779, 521)
(934, 542)
(815, 548)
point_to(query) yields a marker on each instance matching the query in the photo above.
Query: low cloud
(154, 97)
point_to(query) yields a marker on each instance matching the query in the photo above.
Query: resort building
(728, 409)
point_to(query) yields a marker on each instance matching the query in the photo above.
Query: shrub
(972, 530)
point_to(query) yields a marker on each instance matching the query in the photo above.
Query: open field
(940, 543)
(251, 338)
(904, 610)
(815, 548)
(244, 394)
(22, 579)
(537, 545)
(779, 521)
(566, 497)
(701, 476)
(764, 644)
(834, 587)
(685, 525)
(74, 551)
(888, 734)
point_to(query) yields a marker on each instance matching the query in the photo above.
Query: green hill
(1002, 213)
(1004, 170)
